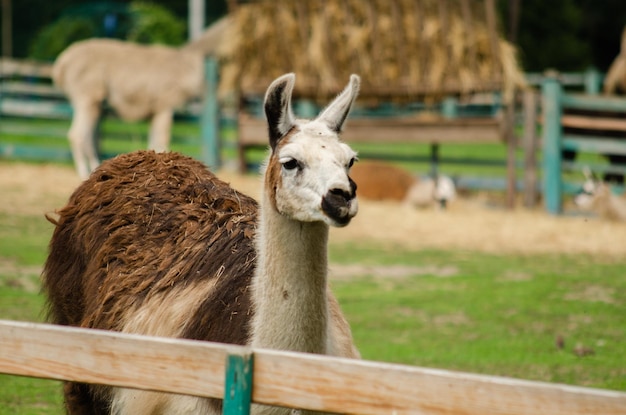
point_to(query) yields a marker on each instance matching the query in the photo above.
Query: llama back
(141, 226)
(137, 80)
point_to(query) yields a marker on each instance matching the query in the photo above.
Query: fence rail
(27, 94)
(313, 382)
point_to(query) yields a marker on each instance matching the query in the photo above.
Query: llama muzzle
(340, 205)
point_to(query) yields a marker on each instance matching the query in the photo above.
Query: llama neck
(290, 284)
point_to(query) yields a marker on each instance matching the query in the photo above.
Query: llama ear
(337, 111)
(280, 118)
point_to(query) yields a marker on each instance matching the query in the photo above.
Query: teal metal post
(209, 118)
(238, 384)
(450, 107)
(593, 81)
(305, 108)
(552, 132)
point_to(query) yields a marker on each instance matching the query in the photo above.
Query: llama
(384, 181)
(596, 196)
(137, 81)
(615, 78)
(154, 243)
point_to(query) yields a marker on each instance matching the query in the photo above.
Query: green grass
(496, 315)
(467, 311)
(116, 137)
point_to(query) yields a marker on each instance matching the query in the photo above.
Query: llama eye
(291, 164)
(351, 162)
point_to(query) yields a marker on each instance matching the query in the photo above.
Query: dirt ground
(471, 223)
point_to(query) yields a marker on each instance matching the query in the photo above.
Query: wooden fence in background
(319, 383)
(27, 95)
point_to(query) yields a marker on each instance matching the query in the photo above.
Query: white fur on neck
(290, 282)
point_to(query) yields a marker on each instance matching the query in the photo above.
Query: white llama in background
(137, 81)
(597, 197)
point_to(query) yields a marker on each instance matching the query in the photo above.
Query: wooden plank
(11, 67)
(593, 102)
(529, 143)
(459, 130)
(361, 387)
(27, 88)
(101, 357)
(594, 144)
(511, 146)
(253, 131)
(26, 128)
(34, 108)
(595, 167)
(593, 123)
(312, 382)
(24, 152)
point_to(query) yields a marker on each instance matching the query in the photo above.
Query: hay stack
(403, 49)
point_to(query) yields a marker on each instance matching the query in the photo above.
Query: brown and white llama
(153, 243)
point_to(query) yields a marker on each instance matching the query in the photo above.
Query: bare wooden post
(552, 185)
(530, 148)
(511, 148)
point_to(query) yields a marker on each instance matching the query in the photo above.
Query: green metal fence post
(450, 107)
(593, 81)
(209, 118)
(552, 132)
(238, 384)
(305, 108)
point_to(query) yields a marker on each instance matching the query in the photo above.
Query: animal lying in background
(383, 181)
(597, 197)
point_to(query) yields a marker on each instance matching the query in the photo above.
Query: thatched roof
(403, 49)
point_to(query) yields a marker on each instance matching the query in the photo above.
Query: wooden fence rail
(313, 382)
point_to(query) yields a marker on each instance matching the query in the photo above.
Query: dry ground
(469, 224)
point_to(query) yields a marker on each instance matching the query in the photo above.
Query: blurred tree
(569, 35)
(138, 22)
(30, 16)
(153, 23)
(55, 37)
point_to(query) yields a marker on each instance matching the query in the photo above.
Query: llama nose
(347, 196)
(340, 204)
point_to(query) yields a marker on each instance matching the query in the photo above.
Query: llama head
(307, 172)
(592, 192)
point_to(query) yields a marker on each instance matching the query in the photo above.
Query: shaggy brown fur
(172, 216)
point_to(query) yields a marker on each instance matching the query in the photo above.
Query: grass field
(466, 309)
(436, 305)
